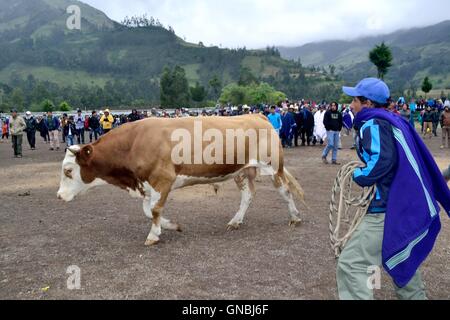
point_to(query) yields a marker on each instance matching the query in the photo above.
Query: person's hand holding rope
(341, 202)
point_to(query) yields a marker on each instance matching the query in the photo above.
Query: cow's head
(77, 174)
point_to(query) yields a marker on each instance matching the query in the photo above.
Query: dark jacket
(428, 116)
(72, 127)
(305, 120)
(42, 126)
(376, 147)
(333, 121)
(94, 123)
(52, 123)
(31, 124)
(132, 117)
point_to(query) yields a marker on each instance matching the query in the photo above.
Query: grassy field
(62, 77)
(192, 73)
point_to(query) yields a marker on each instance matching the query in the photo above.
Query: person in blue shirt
(376, 147)
(412, 108)
(275, 119)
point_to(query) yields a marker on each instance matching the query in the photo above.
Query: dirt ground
(103, 233)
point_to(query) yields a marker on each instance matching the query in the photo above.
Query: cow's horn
(74, 150)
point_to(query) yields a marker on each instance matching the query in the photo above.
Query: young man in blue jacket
(402, 222)
(275, 119)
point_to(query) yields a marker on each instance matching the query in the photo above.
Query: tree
(216, 85)
(17, 99)
(47, 105)
(381, 57)
(198, 93)
(264, 93)
(427, 86)
(246, 77)
(174, 88)
(253, 94)
(64, 106)
(234, 94)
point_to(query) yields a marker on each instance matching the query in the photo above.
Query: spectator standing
(63, 125)
(405, 113)
(107, 121)
(86, 125)
(333, 124)
(288, 127)
(275, 119)
(53, 125)
(307, 129)
(94, 126)
(79, 124)
(43, 129)
(17, 127)
(70, 131)
(5, 129)
(436, 117)
(427, 120)
(445, 125)
(412, 109)
(320, 133)
(31, 129)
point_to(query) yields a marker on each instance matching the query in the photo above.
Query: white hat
(245, 107)
(28, 113)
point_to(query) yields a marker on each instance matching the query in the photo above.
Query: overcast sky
(257, 23)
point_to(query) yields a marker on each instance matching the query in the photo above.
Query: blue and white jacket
(376, 147)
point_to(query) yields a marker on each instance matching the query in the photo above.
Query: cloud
(257, 23)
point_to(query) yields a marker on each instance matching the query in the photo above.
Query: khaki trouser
(362, 253)
(446, 137)
(426, 126)
(54, 139)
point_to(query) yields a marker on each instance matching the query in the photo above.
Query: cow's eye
(68, 173)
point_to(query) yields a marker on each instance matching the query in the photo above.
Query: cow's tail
(295, 187)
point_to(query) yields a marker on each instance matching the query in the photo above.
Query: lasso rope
(339, 211)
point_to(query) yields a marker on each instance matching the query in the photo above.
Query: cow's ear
(85, 155)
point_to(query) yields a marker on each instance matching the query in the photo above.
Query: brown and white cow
(139, 158)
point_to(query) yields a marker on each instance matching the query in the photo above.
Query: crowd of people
(305, 122)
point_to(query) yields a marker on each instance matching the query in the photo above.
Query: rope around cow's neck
(339, 211)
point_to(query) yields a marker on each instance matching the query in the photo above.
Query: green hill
(107, 63)
(418, 52)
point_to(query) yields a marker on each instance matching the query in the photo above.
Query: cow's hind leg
(245, 183)
(281, 184)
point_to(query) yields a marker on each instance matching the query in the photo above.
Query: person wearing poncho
(402, 223)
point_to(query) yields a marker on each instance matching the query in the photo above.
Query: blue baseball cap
(371, 88)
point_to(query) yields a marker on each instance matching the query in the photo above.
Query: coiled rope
(342, 201)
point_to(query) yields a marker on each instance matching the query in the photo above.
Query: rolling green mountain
(107, 63)
(417, 53)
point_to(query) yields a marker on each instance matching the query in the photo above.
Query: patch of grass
(61, 77)
(192, 73)
(14, 24)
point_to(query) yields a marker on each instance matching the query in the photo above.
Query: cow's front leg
(153, 207)
(166, 224)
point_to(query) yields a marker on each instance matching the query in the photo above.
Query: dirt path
(103, 233)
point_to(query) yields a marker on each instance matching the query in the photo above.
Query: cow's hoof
(295, 223)
(179, 229)
(151, 243)
(234, 226)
